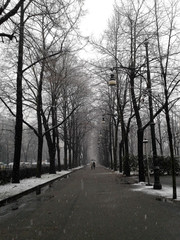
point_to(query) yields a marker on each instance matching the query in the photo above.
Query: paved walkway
(90, 205)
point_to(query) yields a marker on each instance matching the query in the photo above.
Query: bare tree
(167, 49)
(19, 116)
(8, 10)
(50, 15)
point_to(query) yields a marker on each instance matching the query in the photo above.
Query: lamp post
(112, 143)
(145, 141)
(108, 141)
(113, 149)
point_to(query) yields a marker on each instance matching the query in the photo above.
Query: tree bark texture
(19, 114)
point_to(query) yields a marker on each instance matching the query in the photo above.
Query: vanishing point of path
(90, 205)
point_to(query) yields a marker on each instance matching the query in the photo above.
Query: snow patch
(165, 192)
(11, 189)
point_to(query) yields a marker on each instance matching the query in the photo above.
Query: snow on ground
(166, 191)
(11, 189)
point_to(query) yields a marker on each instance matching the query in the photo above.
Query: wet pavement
(90, 205)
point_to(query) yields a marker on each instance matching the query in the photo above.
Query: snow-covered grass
(11, 189)
(166, 192)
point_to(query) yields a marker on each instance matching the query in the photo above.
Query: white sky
(97, 16)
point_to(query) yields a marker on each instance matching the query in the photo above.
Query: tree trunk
(19, 114)
(115, 146)
(170, 146)
(160, 136)
(157, 184)
(125, 144)
(53, 153)
(39, 156)
(164, 71)
(70, 157)
(132, 76)
(39, 120)
(57, 137)
(140, 131)
(140, 135)
(126, 156)
(121, 150)
(58, 153)
(73, 140)
(65, 141)
(70, 141)
(51, 147)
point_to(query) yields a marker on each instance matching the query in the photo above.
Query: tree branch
(4, 6)
(10, 36)
(60, 122)
(11, 12)
(14, 115)
(41, 59)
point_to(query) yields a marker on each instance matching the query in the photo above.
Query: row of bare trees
(141, 45)
(50, 91)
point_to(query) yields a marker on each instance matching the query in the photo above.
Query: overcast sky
(95, 20)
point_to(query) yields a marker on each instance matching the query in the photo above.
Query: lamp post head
(112, 81)
(145, 141)
(103, 120)
(146, 42)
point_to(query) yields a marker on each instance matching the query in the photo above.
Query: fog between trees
(47, 90)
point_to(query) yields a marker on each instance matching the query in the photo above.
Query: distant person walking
(93, 165)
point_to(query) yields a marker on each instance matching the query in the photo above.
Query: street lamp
(103, 120)
(145, 141)
(112, 81)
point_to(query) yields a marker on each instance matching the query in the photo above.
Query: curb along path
(13, 191)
